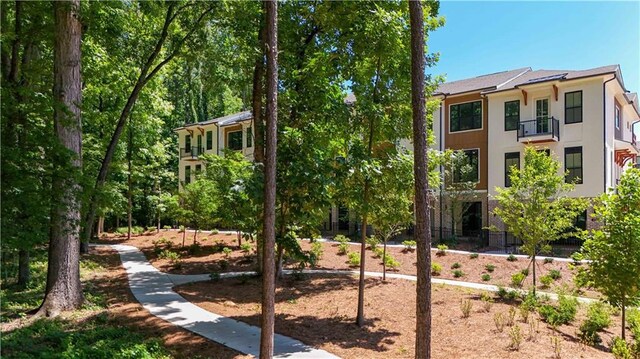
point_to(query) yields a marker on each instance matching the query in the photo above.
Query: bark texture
(64, 291)
(269, 212)
(422, 231)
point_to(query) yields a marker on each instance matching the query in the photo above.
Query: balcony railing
(547, 126)
(191, 152)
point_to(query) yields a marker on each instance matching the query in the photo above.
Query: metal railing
(539, 127)
(191, 152)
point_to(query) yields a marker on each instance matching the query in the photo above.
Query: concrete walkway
(153, 289)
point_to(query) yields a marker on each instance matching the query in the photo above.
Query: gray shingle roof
(222, 121)
(479, 83)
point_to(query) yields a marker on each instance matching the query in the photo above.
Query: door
(542, 115)
(472, 219)
(199, 140)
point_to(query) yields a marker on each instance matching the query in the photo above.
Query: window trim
(187, 170)
(478, 167)
(506, 170)
(573, 150)
(581, 107)
(505, 115)
(228, 133)
(535, 106)
(249, 136)
(209, 140)
(618, 108)
(187, 140)
(462, 103)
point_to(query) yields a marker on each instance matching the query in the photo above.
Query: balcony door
(199, 142)
(542, 115)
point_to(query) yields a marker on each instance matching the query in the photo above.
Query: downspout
(604, 131)
(217, 140)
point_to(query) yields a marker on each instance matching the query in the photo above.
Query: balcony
(191, 153)
(540, 130)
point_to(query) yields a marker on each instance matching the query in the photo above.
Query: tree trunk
(239, 234)
(256, 103)
(184, 235)
(195, 235)
(422, 234)
(363, 244)
(279, 261)
(269, 211)
(533, 261)
(24, 273)
(64, 290)
(100, 225)
(384, 262)
(624, 319)
(129, 181)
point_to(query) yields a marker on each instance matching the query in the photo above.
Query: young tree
(458, 177)
(614, 249)
(64, 291)
(269, 211)
(537, 208)
(198, 205)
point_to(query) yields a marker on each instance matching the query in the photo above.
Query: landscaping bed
(320, 311)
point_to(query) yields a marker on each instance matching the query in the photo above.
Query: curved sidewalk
(153, 289)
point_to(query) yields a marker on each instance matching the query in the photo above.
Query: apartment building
(584, 118)
(232, 132)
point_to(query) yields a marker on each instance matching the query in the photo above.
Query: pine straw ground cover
(208, 257)
(320, 310)
(112, 324)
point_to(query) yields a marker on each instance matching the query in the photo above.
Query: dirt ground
(208, 257)
(320, 311)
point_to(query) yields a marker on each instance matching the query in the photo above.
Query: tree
(536, 207)
(198, 205)
(63, 291)
(269, 211)
(459, 179)
(614, 249)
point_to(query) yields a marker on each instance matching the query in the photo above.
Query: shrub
(372, 242)
(473, 256)
(354, 259)
(458, 273)
(193, 249)
(465, 307)
(598, 318)
(214, 231)
(548, 260)
(517, 279)
(530, 302)
(223, 264)
(633, 319)
(173, 257)
(489, 268)
(317, 250)
(561, 314)
(555, 274)
(181, 229)
(245, 247)
(343, 248)
(557, 347)
(577, 258)
(436, 269)
(409, 245)
(516, 338)
(166, 227)
(512, 258)
(391, 262)
(525, 272)
(456, 265)
(507, 294)
(152, 229)
(485, 277)
(442, 250)
(487, 302)
(533, 330)
(378, 252)
(498, 320)
(546, 281)
(215, 276)
(227, 251)
(620, 349)
(511, 317)
(341, 239)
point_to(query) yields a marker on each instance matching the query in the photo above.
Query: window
(469, 171)
(511, 115)
(617, 115)
(249, 137)
(546, 151)
(234, 140)
(198, 169)
(465, 116)
(199, 142)
(573, 164)
(187, 143)
(511, 160)
(209, 140)
(187, 174)
(573, 107)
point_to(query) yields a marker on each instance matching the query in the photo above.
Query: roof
(485, 82)
(222, 121)
(632, 98)
(539, 76)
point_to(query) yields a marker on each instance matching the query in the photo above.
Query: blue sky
(485, 37)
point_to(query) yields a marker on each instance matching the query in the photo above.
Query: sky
(485, 37)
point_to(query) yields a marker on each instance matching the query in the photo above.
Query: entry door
(472, 219)
(542, 115)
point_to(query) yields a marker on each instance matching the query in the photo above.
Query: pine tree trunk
(129, 182)
(258, 91)
(363, 244)
(624, 319)
(64, 290)
(100, 226)
(422, 234)
(24, 273)
(269, 211)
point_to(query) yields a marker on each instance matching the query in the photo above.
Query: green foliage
(246, 248)
(548, 260)
(343, 248)
(577, 258)
(598, 318)
(409, 246)
(489, 268)
(378, 252)
(515, 337)
(525, 272)
(517, 279)
(465, 307)
(512, 258)
(372, 242)
(391, 262)
(456, 265)
(546, 281)
(341, 239)
(555, 274)
(442, 249)
(506, 294)
(458, 273)
(172, 257)
(436, 269)
(621, 349)
(317, 250)
(223, 264)
(486, 277)
(562, 313)
(354, 259)
(473, 256)
(215, 276)
(227, 251)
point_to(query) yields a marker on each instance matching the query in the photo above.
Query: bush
(548, 260)
(485, 277)
(555, 274)
(487, 302)
(577, 258)
(214, 231)
(465, 307)
(546, 281)
(372, 242)
(152, 229)
(458, 273)
(442, 250)
(166, 228)
(620, 349)
(409, 245)
(436, 269)
(341, 239)
(505, 294)
(245, 247)
(512, 258)
(317, 251)
(181, 229)
(456, 265)
(598, 318)
(525, 272)
(223, 264)
(173, 257)
(343, 248)
(561, 314)
(378, 252)
(227, 251)
(354, 259)
(391, 262)
(517, 279)
(633, 319)
(473, 256)
(498, 320)
(489, 268)
(516, 338)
